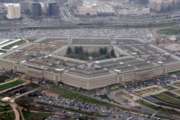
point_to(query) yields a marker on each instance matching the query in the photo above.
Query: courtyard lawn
(76, 95)
(10, 84)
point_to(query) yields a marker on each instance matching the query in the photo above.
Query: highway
(70, 22)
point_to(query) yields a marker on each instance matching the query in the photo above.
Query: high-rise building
(36, 10)
(2, 11)
(161, 5)
(177, 4)
(53, 9)
(13, 10)
(145, 2)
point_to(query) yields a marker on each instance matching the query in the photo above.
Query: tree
(103, 51)
(112, 53)
(69, 51)
(81, 50)
(78, 50)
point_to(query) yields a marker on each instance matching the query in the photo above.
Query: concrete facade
(90, 82)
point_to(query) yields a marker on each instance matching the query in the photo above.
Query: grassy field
(2, 51)
(149, 90)
(7, 116)
(170, 87)
(168, 99)
(177, 91)
(10, 84)
(14, 44)
(147, 104)
(35, 115)
(170, 31)
(174, 72)
(163, 113)
(3, 78)
(4, 107)
(76, 95)
(177, 84)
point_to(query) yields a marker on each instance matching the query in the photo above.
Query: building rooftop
(47, 54)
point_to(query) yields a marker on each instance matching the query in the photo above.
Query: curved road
(15, 109)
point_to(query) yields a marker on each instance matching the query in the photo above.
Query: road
(15, 109)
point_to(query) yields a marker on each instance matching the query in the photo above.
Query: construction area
(108, 8)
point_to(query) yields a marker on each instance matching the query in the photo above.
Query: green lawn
(10, 84)
(4, 107)
(7, 116)
(3, 78)
(164, 113)
(35, 115)
(13, 44)
(170, 31)
(177, 84)
(76, 95)
(147, 104)
(175, 72)
(115, 87)
(2, 51)
(2, 104)
(170, 87)
(168, 99)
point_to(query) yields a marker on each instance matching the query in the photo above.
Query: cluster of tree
(78, 52)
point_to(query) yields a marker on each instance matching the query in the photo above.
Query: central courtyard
(90, 53)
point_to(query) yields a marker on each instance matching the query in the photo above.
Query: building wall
(7, 65)
(102, 81)
(13, 11)
(75, 81)
(34, 72)
(128, 76)
(90, 82)
(54, 76)
(149, 73)
(172, 67)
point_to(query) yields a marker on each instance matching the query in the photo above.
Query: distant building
(2, 11)
(162, 5)
(13, 10)
(8, 1)
(144, 2)
(25, 7)
(53, 9)
(36, 9)
(95, 8)
(177, 4)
